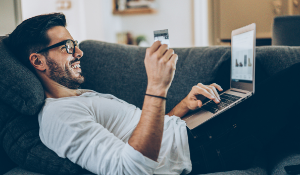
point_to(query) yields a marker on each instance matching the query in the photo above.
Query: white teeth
(76, 66)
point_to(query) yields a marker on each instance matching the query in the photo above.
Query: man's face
(63, 68)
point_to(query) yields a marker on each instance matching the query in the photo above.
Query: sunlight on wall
(93, 19)
(75, 15)
(174, 15)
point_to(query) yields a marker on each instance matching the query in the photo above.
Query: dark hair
(31, 36)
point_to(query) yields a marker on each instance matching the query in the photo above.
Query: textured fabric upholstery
(288, 159)
(286, 31)
(119, 69)
(19, 88)
(6, 115)
(21, 171)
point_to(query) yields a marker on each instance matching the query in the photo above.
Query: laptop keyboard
(226, 100)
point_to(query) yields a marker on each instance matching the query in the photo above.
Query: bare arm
(160, 63)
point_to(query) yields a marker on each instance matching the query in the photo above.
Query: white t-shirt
(93, 130)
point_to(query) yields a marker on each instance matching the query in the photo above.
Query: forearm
(179, 110)
(147, 136)
(160, 64)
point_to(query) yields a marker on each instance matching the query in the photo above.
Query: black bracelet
(157, 96)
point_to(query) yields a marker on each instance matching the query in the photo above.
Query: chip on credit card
(162, 36)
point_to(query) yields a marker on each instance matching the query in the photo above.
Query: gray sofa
(119, 70)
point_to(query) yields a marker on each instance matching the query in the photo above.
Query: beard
(64, 77)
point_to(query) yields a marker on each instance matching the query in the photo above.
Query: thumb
(199, 103)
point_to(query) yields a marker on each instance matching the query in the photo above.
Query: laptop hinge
(242, 92)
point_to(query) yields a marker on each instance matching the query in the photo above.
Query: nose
(78, 53)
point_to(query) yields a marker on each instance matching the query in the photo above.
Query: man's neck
(60, 92)
(56, 90)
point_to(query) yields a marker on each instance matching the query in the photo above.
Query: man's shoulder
(60, 103)
(63, 107)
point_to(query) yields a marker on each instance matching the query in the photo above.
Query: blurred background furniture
(286, 31)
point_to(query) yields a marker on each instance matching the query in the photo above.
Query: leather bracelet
(157, 96)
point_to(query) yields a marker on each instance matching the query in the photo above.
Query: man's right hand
(160, 63)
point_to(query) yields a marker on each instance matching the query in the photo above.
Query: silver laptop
(242, 78)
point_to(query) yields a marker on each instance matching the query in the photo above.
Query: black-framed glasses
(69, 45)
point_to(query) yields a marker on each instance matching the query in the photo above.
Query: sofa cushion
(277, 58)
(289, 159)
(7, 113)
(251, 171)
(19, 87)
(22, 143)
(284, 149)
(20, 171)
(119, 69)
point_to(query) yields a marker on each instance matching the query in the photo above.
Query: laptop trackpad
(196, 119)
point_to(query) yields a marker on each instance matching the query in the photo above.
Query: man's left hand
(199, 93)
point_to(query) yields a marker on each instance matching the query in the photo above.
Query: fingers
(173, 60)
(160, 51)
(160, 63)
(212, 91)
(168, 55)
(154, 47)
(203, 91)
(217, 86)
(215, 92)
(213, 87)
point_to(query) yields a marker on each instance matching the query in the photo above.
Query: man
(57, 64)
(106, 135)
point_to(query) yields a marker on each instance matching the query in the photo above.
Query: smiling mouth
(75, 66)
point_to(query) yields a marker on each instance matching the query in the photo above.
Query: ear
(38, 61)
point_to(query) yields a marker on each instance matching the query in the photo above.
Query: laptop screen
(242, 57)
(243, 42)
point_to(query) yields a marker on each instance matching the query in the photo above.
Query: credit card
(162, 36)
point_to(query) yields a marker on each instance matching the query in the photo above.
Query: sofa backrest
(119, 69)
(20, 93)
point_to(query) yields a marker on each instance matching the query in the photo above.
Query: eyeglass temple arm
(51, 47)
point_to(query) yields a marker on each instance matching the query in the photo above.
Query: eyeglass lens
(70, 46)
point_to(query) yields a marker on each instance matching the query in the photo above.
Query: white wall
(93, 19)
(75, 15)
(175, 15)
(86, 19)
(201, 28)
(100, 23)
(7, 17)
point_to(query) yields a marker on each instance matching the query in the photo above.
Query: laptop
(242, 78)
